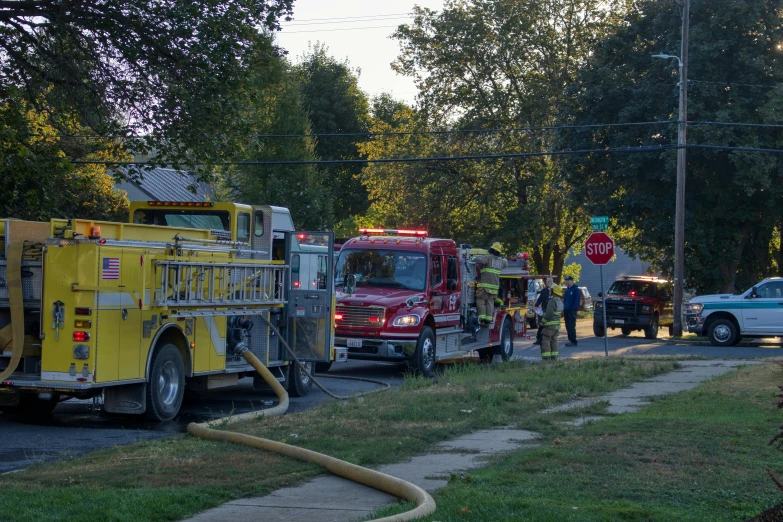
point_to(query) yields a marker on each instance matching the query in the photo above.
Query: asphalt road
(75, 428)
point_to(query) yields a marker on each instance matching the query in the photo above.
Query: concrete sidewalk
(332, 499)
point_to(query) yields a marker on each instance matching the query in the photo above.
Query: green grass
(175, 478)
(698, 455)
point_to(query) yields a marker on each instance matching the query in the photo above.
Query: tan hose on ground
(425, 505)
(13, 279)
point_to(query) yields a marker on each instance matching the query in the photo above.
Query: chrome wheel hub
(428, 353)
(722, 333)
(168, 383)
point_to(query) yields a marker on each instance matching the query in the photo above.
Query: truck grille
(360, 315)
(621, 308)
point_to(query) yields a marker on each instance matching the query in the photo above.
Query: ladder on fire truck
(217, 288)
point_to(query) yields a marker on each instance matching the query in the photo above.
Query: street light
(679, 212)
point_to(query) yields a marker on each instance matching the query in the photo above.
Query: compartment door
(309, 310)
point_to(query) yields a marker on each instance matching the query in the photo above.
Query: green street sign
(599, 222)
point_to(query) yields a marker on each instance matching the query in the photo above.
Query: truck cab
(403, 296)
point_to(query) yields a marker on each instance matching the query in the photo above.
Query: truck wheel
(323, 367)
(722, 332)
(300, 382)
(166, 386)
(626, 331)
(506, 349)
(651, 332)
(598, 330)
(424, 359)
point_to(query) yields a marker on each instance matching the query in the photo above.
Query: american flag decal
(111, 268)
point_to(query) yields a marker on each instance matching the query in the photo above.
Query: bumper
(377, 349)
(694, 323)
(639, 321)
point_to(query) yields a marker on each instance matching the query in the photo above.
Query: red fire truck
(403, 296)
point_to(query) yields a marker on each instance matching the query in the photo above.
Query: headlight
(598, 305)
(407, 320)
(694, 308)
(646, 309)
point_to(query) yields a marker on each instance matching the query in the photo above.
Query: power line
(645, 148)
(343, 29)
(348, 17)
(406, 133)
(347, 21)
(738, 149)
(731, 84)
(736, 124)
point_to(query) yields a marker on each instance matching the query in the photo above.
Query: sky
(358, 30)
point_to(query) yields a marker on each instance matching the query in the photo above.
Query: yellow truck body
(121, 309)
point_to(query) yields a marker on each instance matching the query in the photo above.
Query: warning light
(81, 337)
(84, 323)
(83, 311)
(393, 232)
(297, 284)
(338, 317)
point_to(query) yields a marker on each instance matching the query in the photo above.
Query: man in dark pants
(543, 297)
(571, 302)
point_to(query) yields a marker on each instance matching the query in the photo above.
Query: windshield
(641, 288)
(383, 268)
(203, 219)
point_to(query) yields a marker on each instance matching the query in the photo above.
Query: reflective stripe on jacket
(552, 313)
(491, 266)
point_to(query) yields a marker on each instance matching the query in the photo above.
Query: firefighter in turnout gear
(487, 288)
(553, 310)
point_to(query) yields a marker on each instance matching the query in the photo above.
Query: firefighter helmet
(557, 289)
(497, 247)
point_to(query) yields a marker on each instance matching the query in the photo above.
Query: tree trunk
(558, 260)
(728, 267)
(780, 249)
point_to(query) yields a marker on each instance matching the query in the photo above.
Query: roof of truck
(399, 242)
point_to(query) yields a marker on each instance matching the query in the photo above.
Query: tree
(331, 96)
(176, 71)
(38, 179)
(733, 199)
(278, 109)
(507, 63)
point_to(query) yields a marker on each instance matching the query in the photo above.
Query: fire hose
(13, 279)
(425, 504)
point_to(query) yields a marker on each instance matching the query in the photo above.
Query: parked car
(635, 303)
(587, 301)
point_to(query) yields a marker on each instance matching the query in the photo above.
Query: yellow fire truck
(137, 311)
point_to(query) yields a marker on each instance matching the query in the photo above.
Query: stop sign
(599, 248)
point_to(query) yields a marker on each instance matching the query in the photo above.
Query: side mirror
(350, 284)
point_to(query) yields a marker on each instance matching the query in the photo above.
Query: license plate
(354, 343)
(619, 321)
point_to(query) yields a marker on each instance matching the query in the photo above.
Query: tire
(506, 348)
(424, 359)
(299, 382)
(166, 386)
(722, 332)
(598, 330)
(31, 407)
(626, 331)
(323, 367)
(651, 332)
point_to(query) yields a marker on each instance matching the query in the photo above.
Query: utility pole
(679, 217)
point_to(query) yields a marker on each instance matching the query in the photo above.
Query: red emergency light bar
(393, 232)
